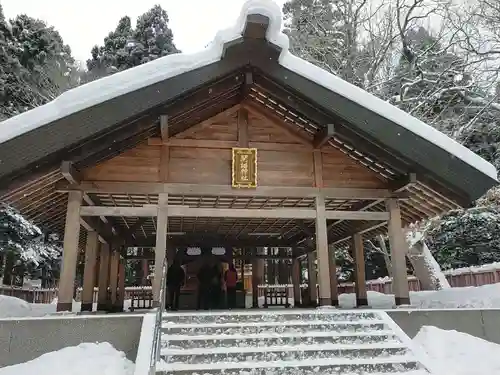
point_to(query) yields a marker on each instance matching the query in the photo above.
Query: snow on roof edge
(121, 83)
(133, 79)
(388, 111)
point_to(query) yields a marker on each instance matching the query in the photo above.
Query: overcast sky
(84, 24)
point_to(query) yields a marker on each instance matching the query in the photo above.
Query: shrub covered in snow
(24, 246)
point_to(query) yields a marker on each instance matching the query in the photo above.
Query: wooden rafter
(222, 116)
(322, 137)
(269, 116)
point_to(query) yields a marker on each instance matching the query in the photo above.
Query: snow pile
(486, 296)
(11, 307)
(474, 269)
(87, 358)
(458, 353)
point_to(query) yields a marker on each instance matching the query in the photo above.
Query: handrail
(156, 348)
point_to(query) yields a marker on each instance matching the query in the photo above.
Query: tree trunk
(426, 268)
(8, 269)
(385, 253)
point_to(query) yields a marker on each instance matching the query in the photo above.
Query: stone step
(246, 316)
(277, 328)
(172, 325)
(316, 366)
(282, 353)
(272, 339)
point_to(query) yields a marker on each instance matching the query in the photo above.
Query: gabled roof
(92, 118)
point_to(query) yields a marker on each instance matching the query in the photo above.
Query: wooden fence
(456, 278)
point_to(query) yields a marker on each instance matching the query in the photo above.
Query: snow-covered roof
(128, 81)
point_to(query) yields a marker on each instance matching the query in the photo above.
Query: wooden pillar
(398, 254)
(145, 271)
(359, 270)
(102, 296)
(325, 297)
(311, 270)
(333, 275)
(256, 278)
(91, 249)
(70, 252)
(296, 281)
(121, 286)
(242, 271)
(161, 246)
(114, 267)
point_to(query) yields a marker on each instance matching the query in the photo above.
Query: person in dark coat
(216, 286)
(175, 280)
(204, 276)
(231, 279)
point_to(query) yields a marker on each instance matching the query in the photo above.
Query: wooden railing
(141, 295)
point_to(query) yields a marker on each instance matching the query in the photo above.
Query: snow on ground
(15, 307)
(486, 296)
(87, 358)
(458, 353)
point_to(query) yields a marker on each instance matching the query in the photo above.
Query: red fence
(456, 278)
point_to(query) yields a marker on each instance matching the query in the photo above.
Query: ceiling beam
(323, 135)
(110, 187)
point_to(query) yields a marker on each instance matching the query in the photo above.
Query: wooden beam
(368, 227)
(70, 173)
(102, 294)
(243, 128)
(216, 144)
(164, 127)
(399, 249)
(73, 176)
(185, 211)
(332, 263)
(161, 247)
(132, 229)
(89, 271)
(313, 278)
(277, 122)
(111, 187)
(404, 183)
(275, 213)
(323, 135)
(70, 252)
(246, 88)
(146, 211)
(357, 215)
(359, 270)
(318, 168)
(188, 241)
(322, 253)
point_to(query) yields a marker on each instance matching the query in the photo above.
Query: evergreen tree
(125, 47)
(35, 65)
(463, 238)
(25, 248)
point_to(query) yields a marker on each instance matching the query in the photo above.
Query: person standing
(231, 279)
(204, 287)
(175, 280)
(216, 286)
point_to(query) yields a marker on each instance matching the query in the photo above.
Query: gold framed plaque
(244, 174)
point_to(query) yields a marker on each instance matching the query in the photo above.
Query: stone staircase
(322, 341)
